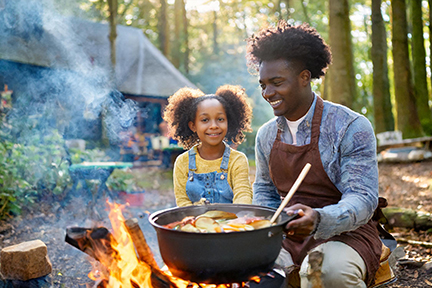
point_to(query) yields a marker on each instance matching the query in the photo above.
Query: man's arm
(358, 182)
(264, 191)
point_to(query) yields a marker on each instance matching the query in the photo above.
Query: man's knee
(333, 264)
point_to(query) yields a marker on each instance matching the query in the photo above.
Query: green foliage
(121, 180)
(30, 172)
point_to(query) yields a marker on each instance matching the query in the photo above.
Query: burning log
(98, 243)
(158, 279)
(141, 246)
(93, 241)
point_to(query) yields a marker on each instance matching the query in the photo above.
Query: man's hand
(303, 225)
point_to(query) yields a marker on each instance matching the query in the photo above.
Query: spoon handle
(291, 192)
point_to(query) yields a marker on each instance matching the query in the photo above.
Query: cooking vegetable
(216, 221)
(206, 224)
(216, 214)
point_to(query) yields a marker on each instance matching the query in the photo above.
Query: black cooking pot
(218, 258)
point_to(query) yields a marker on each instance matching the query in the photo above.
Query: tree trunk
(278, 9)
(164, 28)
(305, 11)
(407, 117)
(176, 53)
(419, 67)
(186, 38)
(430, 33)
(215, 34)
(342, 81)
(287, 7)
(113, 7)
(383, 115)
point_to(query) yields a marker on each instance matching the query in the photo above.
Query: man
(339, 195)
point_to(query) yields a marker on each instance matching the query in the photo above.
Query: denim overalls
(212, 186)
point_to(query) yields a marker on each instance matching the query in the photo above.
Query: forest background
(381, 49)
(381, 68)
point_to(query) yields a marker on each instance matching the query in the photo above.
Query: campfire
(122, 257)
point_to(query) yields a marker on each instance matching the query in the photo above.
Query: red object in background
(135, 199)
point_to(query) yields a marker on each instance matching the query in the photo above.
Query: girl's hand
(305, 224)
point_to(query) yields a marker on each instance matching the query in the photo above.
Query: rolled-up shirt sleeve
(357, 180)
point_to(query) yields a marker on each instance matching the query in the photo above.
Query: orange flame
(119, 265)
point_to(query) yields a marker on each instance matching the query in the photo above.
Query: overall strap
(225, 158)
(192, 161)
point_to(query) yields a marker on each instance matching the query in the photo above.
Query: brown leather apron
(317, 190)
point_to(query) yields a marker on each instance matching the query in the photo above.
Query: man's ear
(192, 126)
(305, 77)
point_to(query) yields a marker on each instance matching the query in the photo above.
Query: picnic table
(94, 171)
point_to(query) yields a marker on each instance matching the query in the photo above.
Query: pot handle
(294, 216)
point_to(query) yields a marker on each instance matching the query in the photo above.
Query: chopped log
(158, 279)
(25, 261)
(407, 218)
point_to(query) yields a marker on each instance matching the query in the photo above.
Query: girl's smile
(210, 124)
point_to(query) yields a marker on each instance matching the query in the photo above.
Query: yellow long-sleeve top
(238, 176)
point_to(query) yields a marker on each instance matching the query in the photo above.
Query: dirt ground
(407, 185)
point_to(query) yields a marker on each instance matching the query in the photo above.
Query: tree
(113, 8)
(383, 115)
(419, 67)
(407, 120)
(164, 28)
(186, 38)
(341, 76)
(176, 51)
(215, 33)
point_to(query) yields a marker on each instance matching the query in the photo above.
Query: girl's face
(211, 123)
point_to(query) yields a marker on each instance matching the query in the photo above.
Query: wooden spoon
(291, 192)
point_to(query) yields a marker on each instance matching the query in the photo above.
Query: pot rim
(283, 219)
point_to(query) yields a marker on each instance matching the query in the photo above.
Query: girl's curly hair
(182, 108)
(301, 44)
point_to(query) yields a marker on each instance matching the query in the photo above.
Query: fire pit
(124, 258)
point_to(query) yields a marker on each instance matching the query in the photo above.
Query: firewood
(96, 242)
(158, 279)
(143, 250)
(25, 261)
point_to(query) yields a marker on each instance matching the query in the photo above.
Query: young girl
(210, 170)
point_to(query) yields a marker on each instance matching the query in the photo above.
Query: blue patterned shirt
(347, 147)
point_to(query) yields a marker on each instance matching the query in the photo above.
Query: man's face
(282, 87)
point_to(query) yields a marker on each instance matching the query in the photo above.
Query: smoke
(46, 59)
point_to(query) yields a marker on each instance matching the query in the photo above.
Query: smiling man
(340, 193)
